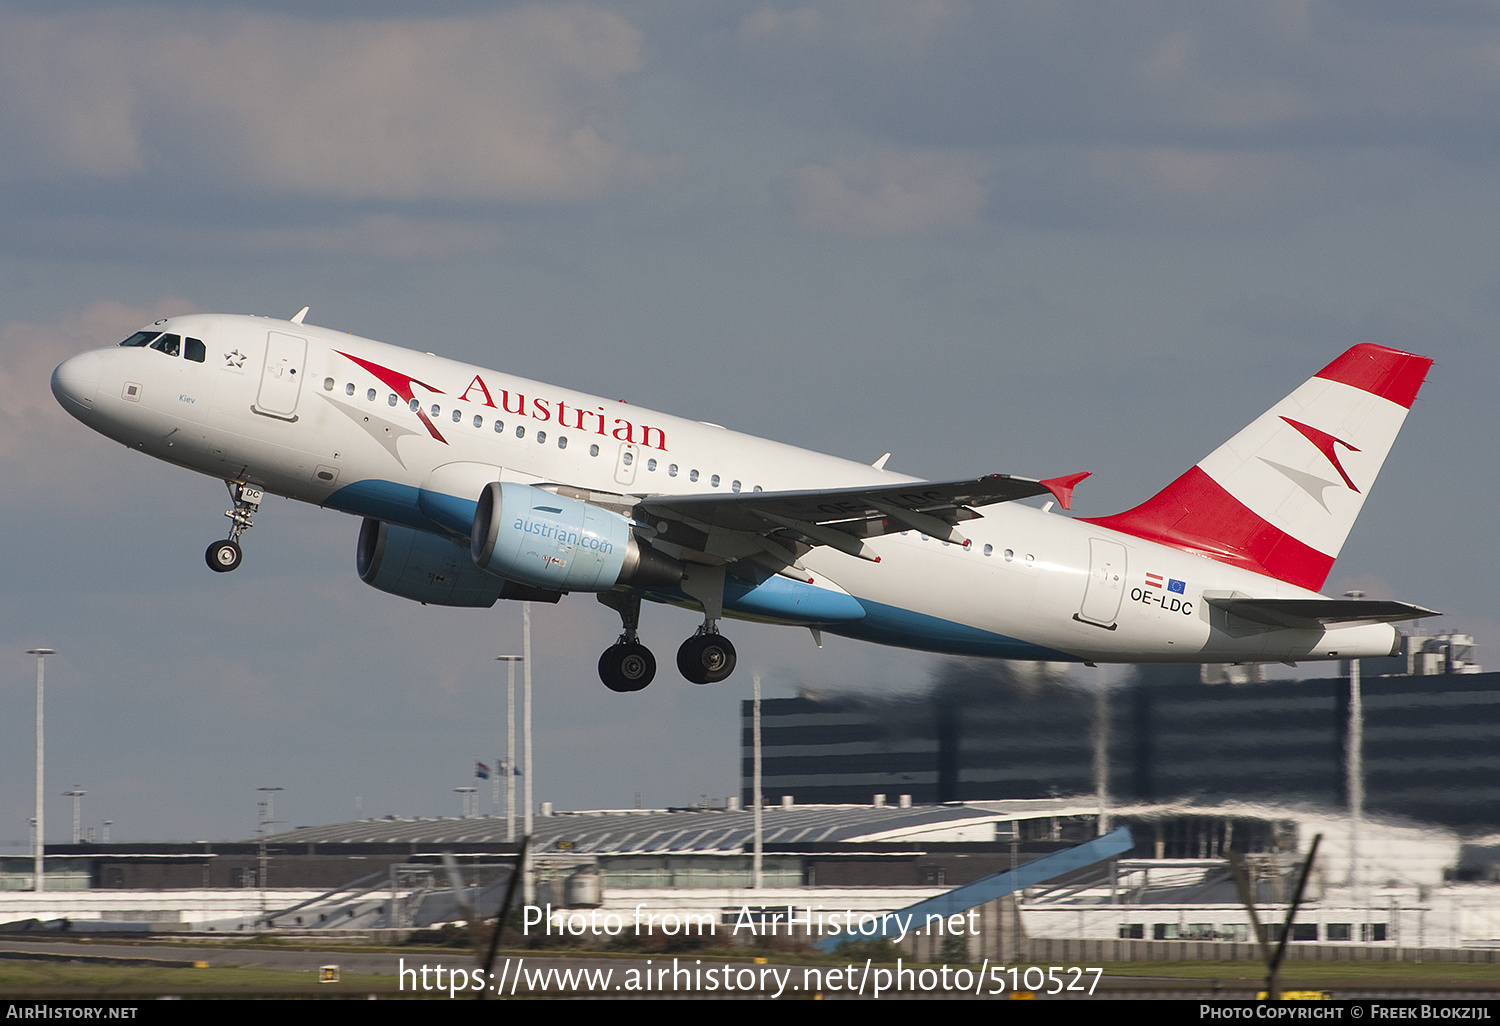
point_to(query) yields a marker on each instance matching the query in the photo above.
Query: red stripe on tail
(1195, 513)
(1388, 373)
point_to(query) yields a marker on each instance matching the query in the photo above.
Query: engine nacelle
(527, 534)
(430, 568)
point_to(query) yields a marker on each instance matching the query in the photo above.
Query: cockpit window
(169, 344)
(196, 350)
(140, 338)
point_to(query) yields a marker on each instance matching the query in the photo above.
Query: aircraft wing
(840, 517)
(1316, 612)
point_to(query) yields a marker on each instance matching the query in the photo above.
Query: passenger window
(349, 388)
(520, 430)
(196, 350)
(714, 480)
(478, 421)
(562, 441)
(989, 550)
(672, 470)
(541, 437)
(692, 475)
(593, 450)
(392, 399)
(328, 384)
(416, 407)
(458, 415)
(651, 464)
(436, 409)
(499, 426)
(627, 458)
(757, 488)
(370, 395)
(734, 486)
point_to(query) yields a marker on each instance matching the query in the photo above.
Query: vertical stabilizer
(1280, 497)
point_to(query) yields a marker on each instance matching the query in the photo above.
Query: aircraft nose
(75, 382)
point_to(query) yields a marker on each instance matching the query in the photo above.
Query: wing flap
(861, 512)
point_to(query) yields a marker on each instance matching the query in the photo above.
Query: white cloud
(896, 27)
(889, 194)
(521, 105)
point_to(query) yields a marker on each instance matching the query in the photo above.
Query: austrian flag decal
(1172, 583)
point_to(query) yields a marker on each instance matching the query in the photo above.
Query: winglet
(1062, 487)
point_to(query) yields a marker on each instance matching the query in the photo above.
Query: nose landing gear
(223, 556)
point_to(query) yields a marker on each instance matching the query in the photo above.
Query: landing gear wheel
(627, 667)
(223, 556)
(706, 658)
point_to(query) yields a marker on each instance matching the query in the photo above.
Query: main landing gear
(224, 556)
(707, 657)
(627, 665)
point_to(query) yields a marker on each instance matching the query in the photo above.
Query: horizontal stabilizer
(1316, 612)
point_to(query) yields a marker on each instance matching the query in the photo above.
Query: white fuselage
(329, 418)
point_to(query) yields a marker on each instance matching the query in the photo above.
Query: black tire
(223, 556)
(706, 658)
(626, 667)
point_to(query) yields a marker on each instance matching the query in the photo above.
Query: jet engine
(431, 568)
(530, 535)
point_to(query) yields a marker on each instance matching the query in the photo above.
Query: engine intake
(527, 534)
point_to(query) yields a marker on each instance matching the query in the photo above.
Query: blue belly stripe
(776, 598)
(892, 625)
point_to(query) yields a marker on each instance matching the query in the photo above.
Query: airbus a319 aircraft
(476, 485)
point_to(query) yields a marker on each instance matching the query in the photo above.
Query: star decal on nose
(234, 359)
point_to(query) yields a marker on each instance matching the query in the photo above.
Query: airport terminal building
(992, 731)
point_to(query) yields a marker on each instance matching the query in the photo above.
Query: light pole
(510, 743)
(267, 818)
(1354, 766)
(39, 859)
(757, 859)
(529, 878)
(76, 794)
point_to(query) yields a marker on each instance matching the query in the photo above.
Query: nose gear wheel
(223, 556)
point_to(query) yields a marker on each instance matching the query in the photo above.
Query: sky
(985, 237)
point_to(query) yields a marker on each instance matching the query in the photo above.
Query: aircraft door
(1106, 585)
(630, 455)
(281, 377)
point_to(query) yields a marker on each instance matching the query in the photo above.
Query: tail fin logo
(1325, 443)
